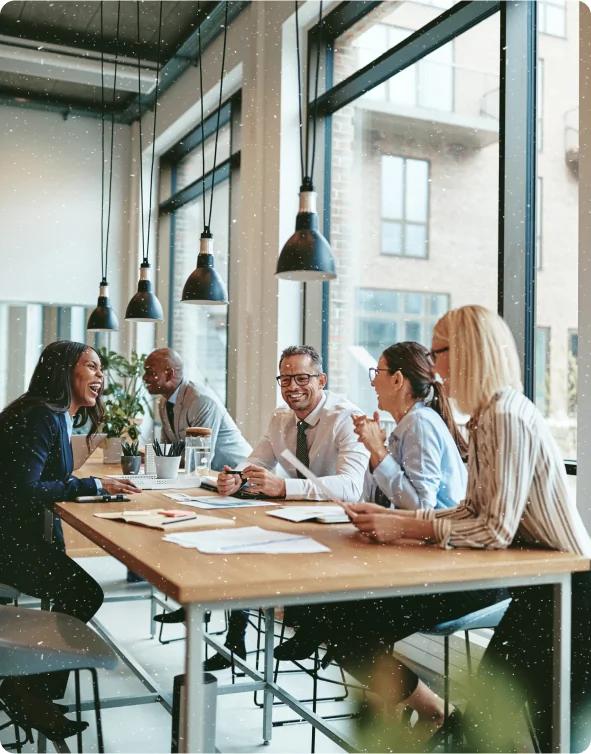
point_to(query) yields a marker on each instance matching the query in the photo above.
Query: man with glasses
(317, 426)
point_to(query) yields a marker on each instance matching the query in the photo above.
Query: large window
(25, 329)
(199, 333)
(384, 317)
(557, 220)
(413, 193)
(405, 206)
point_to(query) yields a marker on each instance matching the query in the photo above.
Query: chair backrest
(487, 617)
(35, 641)
(8, 593)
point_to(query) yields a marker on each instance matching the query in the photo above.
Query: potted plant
(125, 402)
(130, 457)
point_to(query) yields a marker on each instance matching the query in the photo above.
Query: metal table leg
(194, 711)
(561, 665)
(268, 675)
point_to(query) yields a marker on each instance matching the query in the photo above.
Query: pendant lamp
(204, 285)
(306, 255)
(144, 305)
(103, 318)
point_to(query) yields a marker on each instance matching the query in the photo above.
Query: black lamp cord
(146, 243)
(103, 271)
(207, 225)
(105, 278)
(307, 177)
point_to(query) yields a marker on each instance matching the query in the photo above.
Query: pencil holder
(167, 467)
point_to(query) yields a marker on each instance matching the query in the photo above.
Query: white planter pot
(112, 450)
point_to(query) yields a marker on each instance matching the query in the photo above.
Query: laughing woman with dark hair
(36, 472)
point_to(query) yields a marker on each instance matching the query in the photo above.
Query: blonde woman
(516, 494)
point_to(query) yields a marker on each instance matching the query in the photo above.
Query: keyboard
(151, 482)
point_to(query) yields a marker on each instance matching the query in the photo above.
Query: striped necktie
(302, 446)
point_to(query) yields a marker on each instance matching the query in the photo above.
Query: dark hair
(416, 364)
(309, 351)
(51, 384)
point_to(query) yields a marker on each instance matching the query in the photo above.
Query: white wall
(50, 207)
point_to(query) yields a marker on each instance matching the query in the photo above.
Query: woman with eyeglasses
(422, 464)
(517, 495)
(421, 468)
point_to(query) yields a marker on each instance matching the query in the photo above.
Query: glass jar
(197, 450)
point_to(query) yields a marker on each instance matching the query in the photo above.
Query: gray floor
(147, 727)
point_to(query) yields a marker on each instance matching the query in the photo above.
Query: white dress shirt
(336, 456)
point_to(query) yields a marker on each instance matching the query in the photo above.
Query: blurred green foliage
(124, 396)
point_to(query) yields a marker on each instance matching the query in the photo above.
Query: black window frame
(518, 84)
(229, 113)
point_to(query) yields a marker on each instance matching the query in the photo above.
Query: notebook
(322, 514)
(80, 449)
(161, 519)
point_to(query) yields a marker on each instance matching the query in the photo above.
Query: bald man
(184, 404)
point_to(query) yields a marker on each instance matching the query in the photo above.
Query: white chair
(36, 641)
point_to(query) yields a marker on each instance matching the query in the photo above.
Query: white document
(215, 501)
(305, 471)
(251, 539)
(324, 514)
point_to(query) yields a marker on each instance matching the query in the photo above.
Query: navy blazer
(35, 469)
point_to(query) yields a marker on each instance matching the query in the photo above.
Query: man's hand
(116, 486)
(384, 527)
(228, 484)
(262, 481)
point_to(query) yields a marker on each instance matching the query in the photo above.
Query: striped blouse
(516, 485)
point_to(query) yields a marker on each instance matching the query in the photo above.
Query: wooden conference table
(353, 569)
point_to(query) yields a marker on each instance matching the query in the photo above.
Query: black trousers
(517, 667)
(237, 624)
(43, 570)
(360, 634)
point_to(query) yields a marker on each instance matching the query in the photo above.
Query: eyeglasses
(433, 354)
(300, 379)
(374, 371)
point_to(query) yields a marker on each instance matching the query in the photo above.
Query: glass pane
(554, 21)
(199, 332)
(416, 240)
(557, 226)
(417, 190)
(392, 187)
(541, 372)
(391, 238)
(451, 181)
(190, 167)
(380, 30)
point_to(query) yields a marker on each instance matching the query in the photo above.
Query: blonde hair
(482, 355)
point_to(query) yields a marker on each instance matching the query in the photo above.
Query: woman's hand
(383, 526)
(116, 486)
(369, 431)
(228, 484)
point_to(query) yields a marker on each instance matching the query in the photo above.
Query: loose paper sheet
(250, 539)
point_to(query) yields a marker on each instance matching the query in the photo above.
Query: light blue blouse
(423, 468)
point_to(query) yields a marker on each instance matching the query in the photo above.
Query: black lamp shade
(204, 285)
(306, 255)
(103, 318)
(144, 305)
